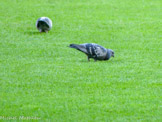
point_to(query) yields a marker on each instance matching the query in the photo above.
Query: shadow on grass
(104, 61)
(85, 61)
(91, 61)
(33, 33)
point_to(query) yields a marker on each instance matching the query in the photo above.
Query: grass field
(41, 77)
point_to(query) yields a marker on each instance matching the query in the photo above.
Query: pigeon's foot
(88, 58)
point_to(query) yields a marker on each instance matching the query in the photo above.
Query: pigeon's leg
(40, 30)
(88, 58)
(46, 31)
(95, 60)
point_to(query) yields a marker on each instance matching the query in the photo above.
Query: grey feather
(81, 47)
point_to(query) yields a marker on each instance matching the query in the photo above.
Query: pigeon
(94, 51)
(44, 24)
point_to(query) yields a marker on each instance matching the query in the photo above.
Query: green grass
(41, 77)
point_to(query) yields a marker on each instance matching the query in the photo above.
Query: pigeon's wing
(43, 24)
(80, 47)
(48, 21)
(99, 51)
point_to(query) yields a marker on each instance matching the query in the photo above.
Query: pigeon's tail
(79, 47)
(74, 46)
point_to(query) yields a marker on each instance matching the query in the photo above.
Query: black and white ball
(44, 24)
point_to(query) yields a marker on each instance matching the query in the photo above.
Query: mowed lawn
(40, 76)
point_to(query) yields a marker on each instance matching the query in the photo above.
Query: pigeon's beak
(112, 54)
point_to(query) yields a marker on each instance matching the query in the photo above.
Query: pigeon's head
(112, 53)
